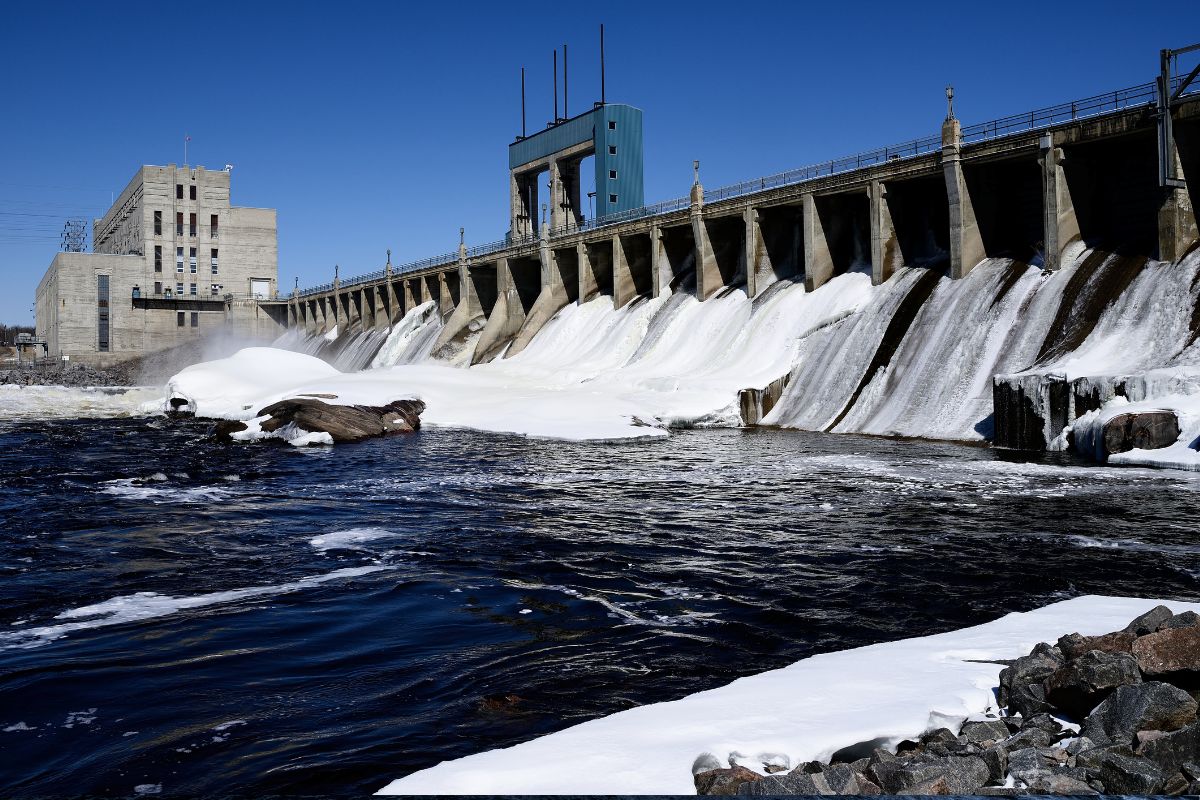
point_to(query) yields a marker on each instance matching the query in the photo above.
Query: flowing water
(248, 620)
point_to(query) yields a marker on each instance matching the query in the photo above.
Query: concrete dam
(993, 282)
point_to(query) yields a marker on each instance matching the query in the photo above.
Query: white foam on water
(144, 606)
(891, 690)
(157, 492)
(352, 539)
(65, 402)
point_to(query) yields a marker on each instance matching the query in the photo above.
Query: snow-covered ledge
(805, 711)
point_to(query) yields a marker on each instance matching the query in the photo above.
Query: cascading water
(914, 356)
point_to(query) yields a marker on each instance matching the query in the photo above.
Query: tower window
(192, 191)
(158, 223)
(179, 191)
(612, 124)
(179, 318)
(192, 225)
(612, 174)
(179, 259)
(612, 149)
(612, 198)
(179, 223)
(212, 226)
(195, 320)
(158, 258)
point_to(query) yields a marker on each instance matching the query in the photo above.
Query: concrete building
(172, 260)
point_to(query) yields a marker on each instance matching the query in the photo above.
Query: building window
(612, 198)
(195, 320)
(158, 258)
(102, 313)
(192, 259)
(612, 124)
(212, 226)
(612, 174)
(158, 287)
(158, 223)
(192, 191)
(612, 149)
(179, 223)
(179, 259)
(192, 226)
(192, 290)
(215, 288)
(179, 318)
(214, 261)
(179, 191)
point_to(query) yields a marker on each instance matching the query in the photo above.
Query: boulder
(789, 783)
(1021, 689)
(866, 786)
(724, 782)
(1185, 620)
(1173, 751)
(1079, 685)
(1061, 781)
(996, 758)
(1026, 765)
(344, 423)
(1144, 430)
(1150, 621)
(224, 429)
(1147, 706)
(983, 732)
(1130, 775)
(1073, 645)
(841, 779)
(1168, 651)
(962, 774)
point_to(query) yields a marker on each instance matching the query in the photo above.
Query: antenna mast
(566, 113)
(522, 102)
(601, 63)
(556, 87)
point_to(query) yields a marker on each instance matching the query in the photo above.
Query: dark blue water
(494, 588)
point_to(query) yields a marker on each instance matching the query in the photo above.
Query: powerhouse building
(172, 261)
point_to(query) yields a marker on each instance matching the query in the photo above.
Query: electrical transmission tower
(74, 236)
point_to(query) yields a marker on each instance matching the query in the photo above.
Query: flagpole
(185, 141)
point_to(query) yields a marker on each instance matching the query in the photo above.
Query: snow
(1089, 432)
(801, 712)
(63, 402)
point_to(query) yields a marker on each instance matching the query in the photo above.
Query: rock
(1078, 686)
(790, 783)
(1043, 722)
(224, 429)
(866, 786)
(939, 785)
(1175, 785)
(343, 423)
(1079, 745)
(1130, 775)
(1030, 737)
(908, 746)
(1168, 651)
(996, 758)
(962, 774)
(1150, 621)
(1060, 782)
(774, 762)
(1175, 751)
(1187, 619)
(1073, 645)
(983, 731)
(1021, 689)
(1026, 765)
(1129, 709)
(940, 736)
(1145, 430)
(810, 767)
(725, 782)
(884, 771)
(841, 779)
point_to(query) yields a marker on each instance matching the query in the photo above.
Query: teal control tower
(612, 132)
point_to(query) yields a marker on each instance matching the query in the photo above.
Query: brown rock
(1169, 650)
(343, 423)
(724, 782)
(1073, 645)
(224, 429)
(1145, 430)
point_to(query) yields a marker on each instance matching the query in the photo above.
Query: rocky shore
(75, 375)
(1111, 714)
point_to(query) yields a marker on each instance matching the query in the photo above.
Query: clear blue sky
(377, 125)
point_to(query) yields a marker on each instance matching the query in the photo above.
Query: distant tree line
(8, 333)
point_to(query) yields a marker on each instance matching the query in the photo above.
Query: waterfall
(410, 340)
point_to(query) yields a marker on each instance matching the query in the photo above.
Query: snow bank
(592, 372)
(1089, 432)
(806, 710)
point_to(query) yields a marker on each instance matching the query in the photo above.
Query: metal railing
(1142, 95)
